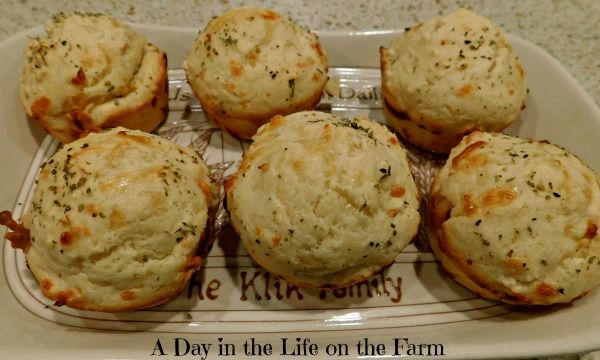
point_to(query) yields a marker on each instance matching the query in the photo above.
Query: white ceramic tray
(233, 299)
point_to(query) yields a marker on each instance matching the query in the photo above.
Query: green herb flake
(292, 86)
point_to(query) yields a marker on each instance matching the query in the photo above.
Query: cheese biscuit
(324, 201)
(517, 220)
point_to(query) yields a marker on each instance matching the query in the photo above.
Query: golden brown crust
(245, 125)
(146, 116)
(458, 267)
(438, 140)
(456, 161)
(18, 237)
(73, 299)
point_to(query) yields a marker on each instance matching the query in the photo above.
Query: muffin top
(113, 226)
(254, 62)
(87, 67)
(454, 72)
(324, 201)
(517, 220)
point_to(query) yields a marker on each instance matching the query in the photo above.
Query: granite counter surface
(567, 29)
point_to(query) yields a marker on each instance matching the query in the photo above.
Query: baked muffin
(323, 201)
(92, 72)
(517, 220)
(251, 64)
(449, 76)
(114, 227)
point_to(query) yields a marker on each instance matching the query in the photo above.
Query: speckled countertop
(567, 29)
